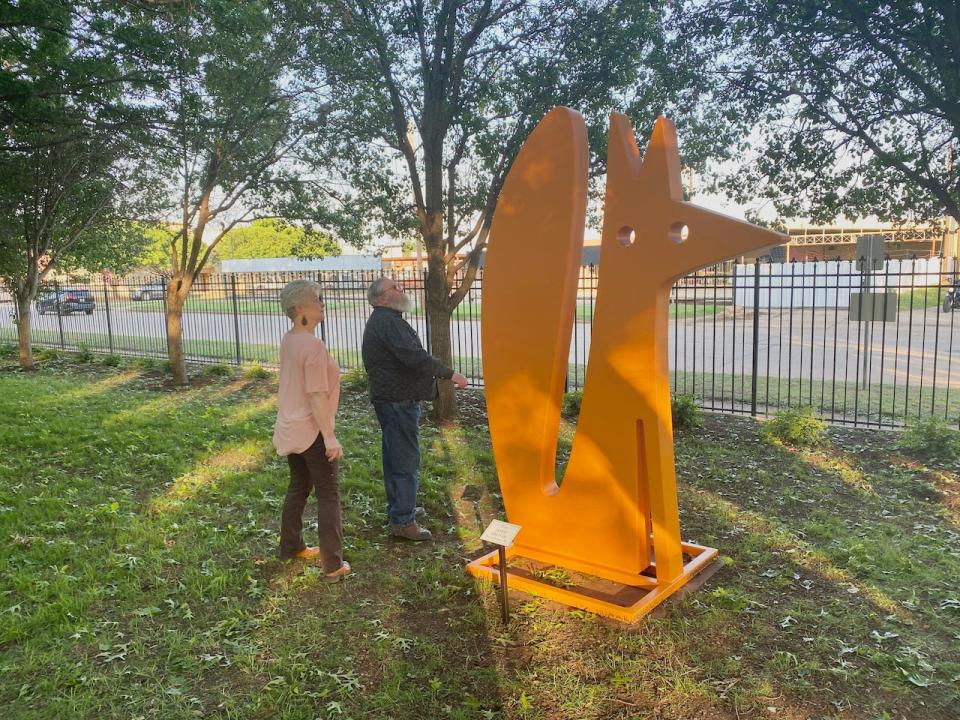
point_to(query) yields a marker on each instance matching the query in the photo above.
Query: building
(839, 243)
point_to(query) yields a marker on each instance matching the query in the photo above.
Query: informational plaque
(500, 533)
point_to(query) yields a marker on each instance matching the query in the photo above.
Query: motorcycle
(952, 300)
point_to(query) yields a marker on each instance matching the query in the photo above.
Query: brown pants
(311, 470)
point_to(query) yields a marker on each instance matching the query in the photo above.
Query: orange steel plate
(627, 604)
(617, 502)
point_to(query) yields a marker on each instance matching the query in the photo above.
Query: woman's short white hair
(297, 292)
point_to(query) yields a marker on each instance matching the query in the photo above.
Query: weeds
(355, 380)
(218, 370)
(256, 372)
(794, 426)
(930, 438)
(83, 354)
(571, 404)
(685, 412)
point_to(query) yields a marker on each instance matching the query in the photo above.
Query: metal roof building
(289, 264)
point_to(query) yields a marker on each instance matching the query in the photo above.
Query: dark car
(150, 291)
(66, 301)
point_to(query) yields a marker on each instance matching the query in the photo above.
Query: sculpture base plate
(603, 597)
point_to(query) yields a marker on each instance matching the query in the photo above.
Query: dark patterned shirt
(396, 363)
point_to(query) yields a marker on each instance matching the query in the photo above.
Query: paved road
(918, 348)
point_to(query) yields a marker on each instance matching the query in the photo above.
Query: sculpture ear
(659, 171)
(529, 295)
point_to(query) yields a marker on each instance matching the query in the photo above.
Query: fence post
(323, 323)
(426, 311)
(756, 336)
(236, 315)
(59, 311)
(106, 307)
(166, 329)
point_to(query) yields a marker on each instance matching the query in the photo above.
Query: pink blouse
(306, 366)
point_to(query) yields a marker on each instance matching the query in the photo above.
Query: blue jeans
(400, 442)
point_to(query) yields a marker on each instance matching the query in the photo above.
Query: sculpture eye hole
(679, 233)
(626, 236)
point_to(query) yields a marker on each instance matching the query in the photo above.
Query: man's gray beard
(401, 304)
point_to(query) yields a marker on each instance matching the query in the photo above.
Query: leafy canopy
(856, 105)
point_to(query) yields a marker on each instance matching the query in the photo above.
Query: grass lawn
(886, 404)
(908, 300)
(138, 576)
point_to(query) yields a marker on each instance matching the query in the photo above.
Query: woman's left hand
(334, 449)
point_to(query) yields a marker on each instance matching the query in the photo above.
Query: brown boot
(410, 531)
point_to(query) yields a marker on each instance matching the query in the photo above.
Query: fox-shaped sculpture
(618, 494)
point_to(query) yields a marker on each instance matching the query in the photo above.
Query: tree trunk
(438, 315)
(178, 362)
(23, 332)
(445, 406)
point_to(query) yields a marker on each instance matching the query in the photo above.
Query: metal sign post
(870, 253)
(502, 534)
(504, 607)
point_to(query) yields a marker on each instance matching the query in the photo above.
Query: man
(401, 374)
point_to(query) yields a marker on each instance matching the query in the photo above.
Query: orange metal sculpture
(618, 497)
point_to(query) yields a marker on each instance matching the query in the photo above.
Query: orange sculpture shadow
(615, 514)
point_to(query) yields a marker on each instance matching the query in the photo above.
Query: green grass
(922, 298)
(680, 311)
(837, 400)
(139, 526)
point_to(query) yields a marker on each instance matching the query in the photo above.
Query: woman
(306, 409)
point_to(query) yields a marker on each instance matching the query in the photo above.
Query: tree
(82, 55)
(270, 239)
(61, 208)
(66, 186)
(432, 100)
(857, 103)
(238, 107)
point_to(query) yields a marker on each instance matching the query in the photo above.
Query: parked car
(66, 301)
(150, 291)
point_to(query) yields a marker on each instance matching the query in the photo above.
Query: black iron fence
(865, 348)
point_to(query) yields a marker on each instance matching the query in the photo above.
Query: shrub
(571, 404)
(143, 363)
(686, 415)
(256, 372)
(794, 426)
(930, 438)
(355, 379)
(47, 354)
(83, 353)
(111, 360)
(9, 350)
(218, 370)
